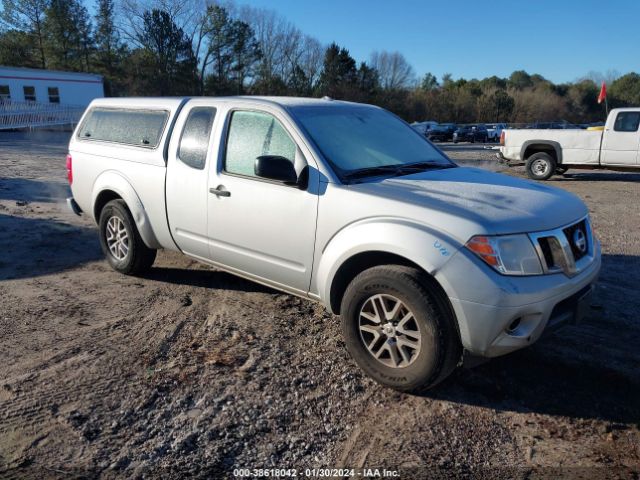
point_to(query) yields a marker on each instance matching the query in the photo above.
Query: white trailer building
(49, 86)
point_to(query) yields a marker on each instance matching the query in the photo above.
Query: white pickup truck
(547, 152)
(344, 204)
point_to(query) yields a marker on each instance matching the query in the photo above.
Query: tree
(219, 53)
(582, 102)
(68, 38)
(429, 82)
(338, 76)
(625, 91)
(393, 69)
(169, 53)
(520, 80)
(110, 51)
(245, 52)
(27, 16)
(494, 105)
(17, 49)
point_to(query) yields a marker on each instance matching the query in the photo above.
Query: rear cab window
(140, 128)
(627, 122)
(194, 142)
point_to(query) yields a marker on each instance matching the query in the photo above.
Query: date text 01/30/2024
(315, 473)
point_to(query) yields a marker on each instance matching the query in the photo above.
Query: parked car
(494, 130)
(344, 204)
(471, 133)
(547, 152)
(442, 132)
(423, 127)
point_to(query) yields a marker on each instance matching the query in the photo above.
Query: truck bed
(578, 146)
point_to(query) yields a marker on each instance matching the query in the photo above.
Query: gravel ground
(192, 372)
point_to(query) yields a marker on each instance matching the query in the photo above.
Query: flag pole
(606, 106)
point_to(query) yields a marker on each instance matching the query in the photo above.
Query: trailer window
(142, 128)
(54, 95)
(627, 122)
(29, 93)
(4, 92)
(194, 142)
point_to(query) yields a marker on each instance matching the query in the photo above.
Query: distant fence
(15, 115)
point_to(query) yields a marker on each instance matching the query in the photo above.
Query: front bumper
(498, 314)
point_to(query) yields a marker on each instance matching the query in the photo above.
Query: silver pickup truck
(344, 204)
(549, 152)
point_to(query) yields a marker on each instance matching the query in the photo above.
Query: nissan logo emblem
(580, 240)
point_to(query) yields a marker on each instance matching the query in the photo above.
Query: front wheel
(398, 329)
(540, 166)
(120, 240)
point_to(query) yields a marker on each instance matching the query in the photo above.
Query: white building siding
(73, 88)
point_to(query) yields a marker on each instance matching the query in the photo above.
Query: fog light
(514, 325)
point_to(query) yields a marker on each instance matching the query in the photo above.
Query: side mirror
(275, 167)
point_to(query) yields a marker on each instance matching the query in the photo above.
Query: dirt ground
(193, 372)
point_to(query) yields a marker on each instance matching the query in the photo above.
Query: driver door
(620, 143)
(261, 228)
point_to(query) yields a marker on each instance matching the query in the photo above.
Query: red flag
(603, 93)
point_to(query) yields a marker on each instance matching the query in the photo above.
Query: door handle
(220, 191)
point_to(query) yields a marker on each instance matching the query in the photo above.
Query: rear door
(258, 227)
(620, 143)
(186, 183)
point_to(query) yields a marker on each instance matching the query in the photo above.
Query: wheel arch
(111, 185)
(531, 147)
(375, 242)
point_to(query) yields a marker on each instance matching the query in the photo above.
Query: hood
(500, 203)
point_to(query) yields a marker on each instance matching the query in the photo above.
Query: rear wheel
(540, 166)
(398, 330)
(120, 240)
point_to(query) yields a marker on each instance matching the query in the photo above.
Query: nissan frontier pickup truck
(549, 152)
(345, 204)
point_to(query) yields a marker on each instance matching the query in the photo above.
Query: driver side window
(252, 134)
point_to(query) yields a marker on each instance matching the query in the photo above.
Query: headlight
(508, 254)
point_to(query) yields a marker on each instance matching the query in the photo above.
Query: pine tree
(110, 51)
(339, 74)
(69, 39)
(170, 53)
(27, 16)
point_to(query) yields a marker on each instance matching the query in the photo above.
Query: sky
(562, 40)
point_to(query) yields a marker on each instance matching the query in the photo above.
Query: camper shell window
(140, 128)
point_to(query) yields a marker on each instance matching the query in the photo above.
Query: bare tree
(393, 69)
(286, 51)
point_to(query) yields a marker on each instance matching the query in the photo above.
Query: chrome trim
(558, 239)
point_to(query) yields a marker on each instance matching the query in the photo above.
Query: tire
(128, 253)
(540, 166)
(431, 327)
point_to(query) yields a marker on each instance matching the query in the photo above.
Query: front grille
(570, 233)
(559, 250)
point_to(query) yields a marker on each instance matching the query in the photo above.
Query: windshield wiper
(420, 166)
(373, 171)
(396, 170)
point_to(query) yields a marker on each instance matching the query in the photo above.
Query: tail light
(69, 169)
(502, 138)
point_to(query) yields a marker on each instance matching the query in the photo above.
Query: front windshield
(353, 138)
